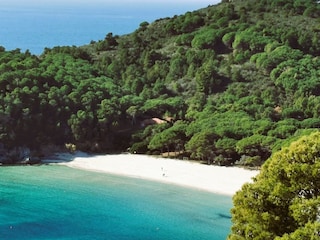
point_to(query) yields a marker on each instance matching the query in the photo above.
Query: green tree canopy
(283, 200)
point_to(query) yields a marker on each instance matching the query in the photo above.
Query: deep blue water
(57, 202)
(36, 26)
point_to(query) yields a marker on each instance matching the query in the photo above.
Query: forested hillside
(229, 84)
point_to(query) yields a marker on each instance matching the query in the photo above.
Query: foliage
(231, 83)
(283, 201)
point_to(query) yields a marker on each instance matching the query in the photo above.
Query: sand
(216, 179)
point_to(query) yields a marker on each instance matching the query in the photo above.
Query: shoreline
(211, 178)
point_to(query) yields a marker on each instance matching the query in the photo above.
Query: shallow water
(57, 202)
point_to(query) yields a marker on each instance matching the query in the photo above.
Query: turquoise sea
(58, 202)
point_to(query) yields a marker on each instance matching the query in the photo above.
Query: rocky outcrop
(17, 156)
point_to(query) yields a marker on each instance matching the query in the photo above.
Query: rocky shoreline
(18, 156)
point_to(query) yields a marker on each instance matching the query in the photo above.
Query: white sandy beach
(221, 180)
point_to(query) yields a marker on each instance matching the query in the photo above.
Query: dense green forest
(229, 84)
(283, 201)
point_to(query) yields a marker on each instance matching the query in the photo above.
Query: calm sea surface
(57, 202)
(35, 27)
